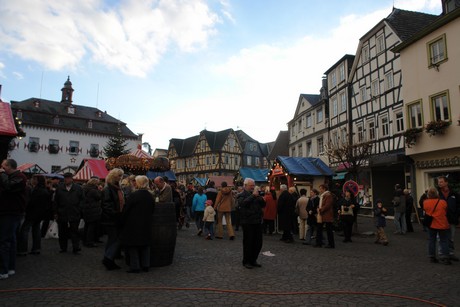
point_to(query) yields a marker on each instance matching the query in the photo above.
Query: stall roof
(201, 181)
(31, 168)
(170, 174)
(305, 166)
(89, 168)
(7, 126)
(259, 175)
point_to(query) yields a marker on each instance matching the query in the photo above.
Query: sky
(172, 68)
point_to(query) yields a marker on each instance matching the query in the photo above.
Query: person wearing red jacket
(269, 210)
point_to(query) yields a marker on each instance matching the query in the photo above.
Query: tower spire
(67, 91)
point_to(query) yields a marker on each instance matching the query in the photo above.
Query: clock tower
(67, 91)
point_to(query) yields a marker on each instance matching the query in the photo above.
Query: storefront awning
(31, 168)
(219, 179)
(339, 176)
(7, 126)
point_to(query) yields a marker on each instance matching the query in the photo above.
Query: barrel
(164, 232)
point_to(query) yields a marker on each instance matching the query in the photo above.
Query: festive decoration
(116, 145)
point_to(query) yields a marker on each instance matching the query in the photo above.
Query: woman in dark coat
(91, 211)
(136, 226)
(36, 210)
(347, 206)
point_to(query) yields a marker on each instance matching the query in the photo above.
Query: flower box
(436, 127)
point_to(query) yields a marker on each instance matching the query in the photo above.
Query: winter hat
(209, 202)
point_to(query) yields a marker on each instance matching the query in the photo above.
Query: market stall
(90, 168)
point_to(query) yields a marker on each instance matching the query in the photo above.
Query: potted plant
(53, 148)
(411, 136)
(436, 127)
(94, 152)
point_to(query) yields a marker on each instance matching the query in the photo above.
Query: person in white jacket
(208, 219)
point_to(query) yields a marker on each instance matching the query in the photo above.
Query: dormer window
(71, 110)
(90, 124)
(36, 103)
(99, 114)
(19, 114)
(56, 120)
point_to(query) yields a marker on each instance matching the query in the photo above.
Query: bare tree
(351, 156)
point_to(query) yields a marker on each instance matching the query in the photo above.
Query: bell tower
(67, 91)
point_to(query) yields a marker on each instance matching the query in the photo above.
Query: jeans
(209, 228)
(139, 256)
(199, 220)
(310, 232)
(443, 242)
(23, 240)
(400, 222)
(330, 234)
(252, 242)
(9, 224)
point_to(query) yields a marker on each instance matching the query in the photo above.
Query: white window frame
(360, 132)
(363, 93)
(300, 150)
(320, 145)
(380, 42)
(335, 106)
(319, 115)
(342, 72)
(384, 126)
(437, 51)
(375, 88)
(333, 79)
(371, 130)
(399, 120)
(309, 121)
(365, 56)
(74, 147)
(389, 81)
(343, 102)
(440, 106)
(415, 120)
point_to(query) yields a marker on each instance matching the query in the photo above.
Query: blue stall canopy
(301, 166)
(200, 181)
(170, 174)
(258, 174)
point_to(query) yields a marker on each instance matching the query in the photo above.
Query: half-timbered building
(377, 103)
(219, 153)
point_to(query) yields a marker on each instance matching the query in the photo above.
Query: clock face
(71, 110)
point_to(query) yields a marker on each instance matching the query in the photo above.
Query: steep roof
(41, 112)
(281, 146)
(216, 140)
(407, 23)
(185, 147)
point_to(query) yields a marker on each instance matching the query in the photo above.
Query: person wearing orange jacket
(437, 208)
(269, 210)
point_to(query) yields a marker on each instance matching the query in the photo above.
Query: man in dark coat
(286, 212)
(68, 203)
(453, 211)
(250, 205)
(12, 207)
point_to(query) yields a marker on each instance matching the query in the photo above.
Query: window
(380, 43)
(335, 138)
(437, 49)
(399, 119)
(208, 160)
(293, 152)
(319, 115)
(309, 123)
(53, 146)
(227, 159)
(56, 120)
(334, 106)
(389, 81)
(333, 79)
(34, 144)
(343, 102)
(74, 147)
(299, 126)
(36, 104)
(249, 160)
(99, 114)
(440, 107)
(55, 168)
(90, 124)
(300, 153)
(341, 72)
(236, 160)
(94, 150)
(320, 144)
(231, 143)
(343, 135)
(203, 144)
(365, 55)
(309, 149)
(293, 130)
(213, 159)
(385, 126)
(375, 88)
(414, 111)
(371, 130)
(19, 114)
(71, 110)
(363, 94)
(360, 131)
(257, 161)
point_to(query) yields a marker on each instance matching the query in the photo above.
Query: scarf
(121, 197)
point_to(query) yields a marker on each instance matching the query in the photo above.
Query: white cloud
(2, 74)
(18, 75)
(130, 37)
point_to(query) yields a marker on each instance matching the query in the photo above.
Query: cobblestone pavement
(209, 273)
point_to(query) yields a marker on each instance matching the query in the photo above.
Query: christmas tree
(116, 145)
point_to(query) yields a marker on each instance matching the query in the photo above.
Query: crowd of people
(121, 208)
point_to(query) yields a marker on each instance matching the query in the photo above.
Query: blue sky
(172, 68)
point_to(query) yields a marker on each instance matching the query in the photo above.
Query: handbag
(52, 232)
(428, 219)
